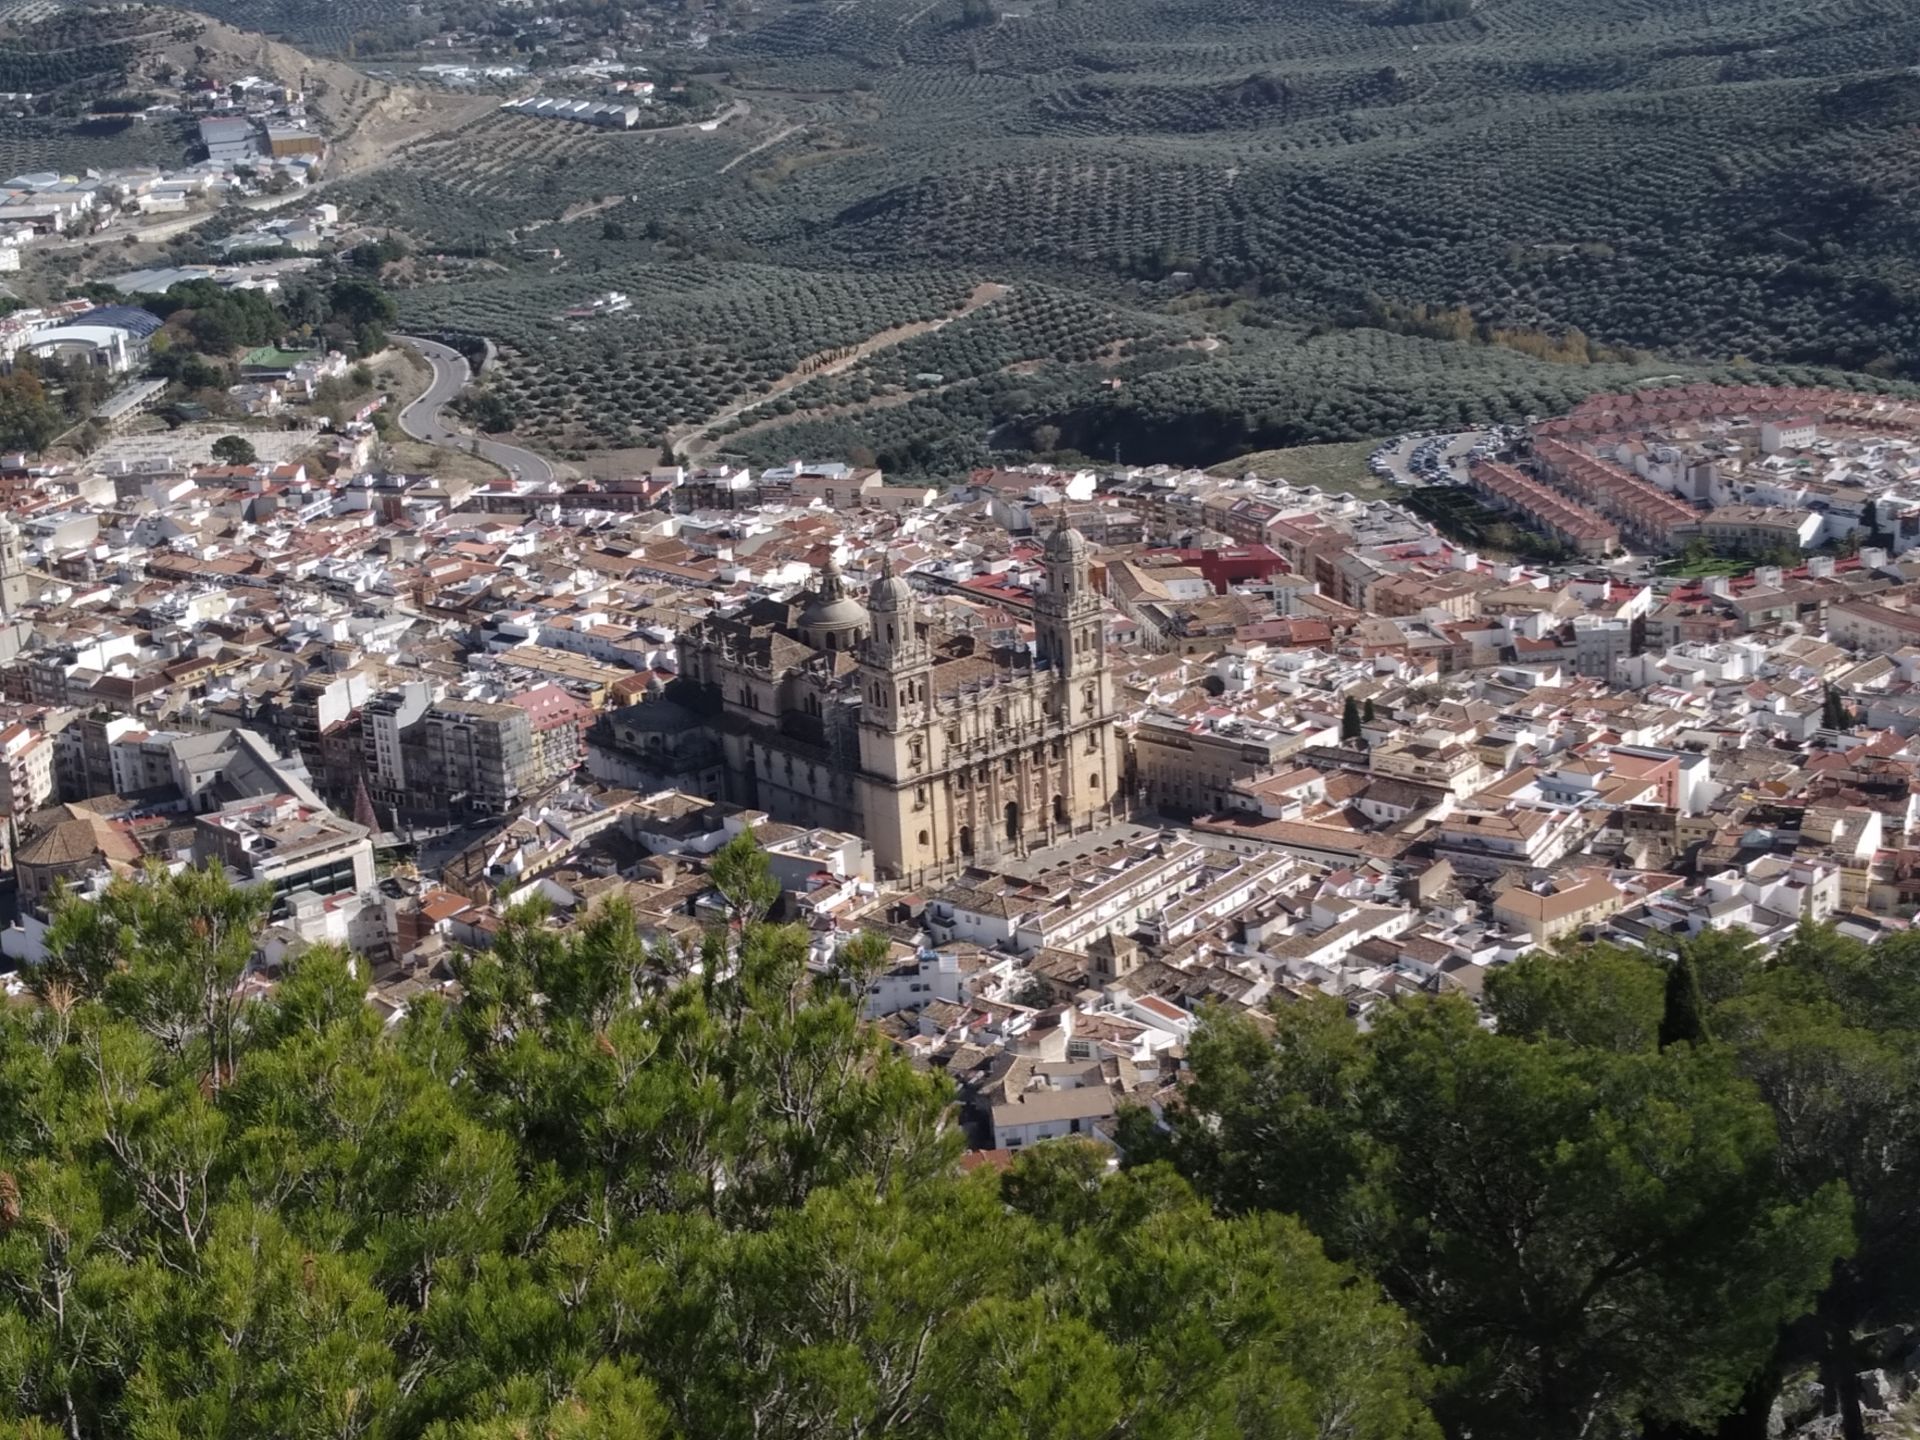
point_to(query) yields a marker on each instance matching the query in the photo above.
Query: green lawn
(1325, 467)
(271, 356)
(1708, 565)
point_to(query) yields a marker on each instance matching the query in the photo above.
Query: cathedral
(939, 752)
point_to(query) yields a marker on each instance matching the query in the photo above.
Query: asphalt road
(425, 418)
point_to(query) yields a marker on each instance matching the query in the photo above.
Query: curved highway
(424, 418)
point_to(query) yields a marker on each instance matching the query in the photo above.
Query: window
(1093, 781)
(999, 717)
(923, 839)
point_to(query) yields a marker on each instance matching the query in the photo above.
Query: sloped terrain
(1252, 206)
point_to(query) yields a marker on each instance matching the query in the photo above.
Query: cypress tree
(1833, 712)
(1684, 1019)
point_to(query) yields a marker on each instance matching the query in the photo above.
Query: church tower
(16, 589)
(895, 660)
(901, 814)
(1069, 631)
(1066, 620)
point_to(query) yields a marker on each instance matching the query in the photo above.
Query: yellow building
(937, 750)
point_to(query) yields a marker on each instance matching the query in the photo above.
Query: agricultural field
(326, 26)
(700, 337)
(1222, 225)
(46, 142)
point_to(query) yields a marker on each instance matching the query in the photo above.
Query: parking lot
(1438, 458)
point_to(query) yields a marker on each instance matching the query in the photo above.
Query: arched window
(923, 839)
(1013, 820)
(1093, 781)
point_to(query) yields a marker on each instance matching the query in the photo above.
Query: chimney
(1820, 567)
(1719, 586)
(1873, 557)
(1770, 576)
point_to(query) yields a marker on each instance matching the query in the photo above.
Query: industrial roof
(130, 318)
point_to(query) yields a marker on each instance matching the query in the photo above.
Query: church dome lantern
(833, 619)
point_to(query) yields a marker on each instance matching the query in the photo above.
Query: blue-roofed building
(130, 318)
(114, 337)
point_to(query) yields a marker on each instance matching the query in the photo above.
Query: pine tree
(1350, 721)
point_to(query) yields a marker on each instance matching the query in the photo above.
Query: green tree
(1830, 1034)
(168, 951)
(1683, 1019)
(360, 302)
(1351, 724)
(28, 416)
(1588, 1234)
(591, 1198)
(740, 873)
(1834, 714)
(234, 450)
(1595, 995)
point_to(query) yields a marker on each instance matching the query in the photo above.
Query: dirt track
(699, 440)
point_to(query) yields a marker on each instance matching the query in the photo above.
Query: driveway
(425, 419)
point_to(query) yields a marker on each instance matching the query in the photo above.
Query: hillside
(1222, 224)
(65, 58)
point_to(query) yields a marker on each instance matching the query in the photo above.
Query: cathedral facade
(941, 754)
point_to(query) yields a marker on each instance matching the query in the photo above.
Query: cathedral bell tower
(16, 588)
(901, 813)
(895, 659)
(1067, 627)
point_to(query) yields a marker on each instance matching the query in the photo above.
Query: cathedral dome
(1066, 543)
(832, 611)
(844, 613)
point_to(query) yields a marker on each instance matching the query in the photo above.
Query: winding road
(424, 419)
